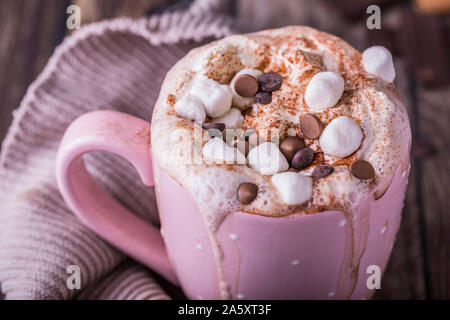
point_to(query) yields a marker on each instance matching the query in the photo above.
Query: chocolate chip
(290, 146)
(212, 125)
(263, 97)
(247, 192)
(270, 81)
(322, 171)
(302, 158)
(246, 85)
(362, 170)
(311, 126)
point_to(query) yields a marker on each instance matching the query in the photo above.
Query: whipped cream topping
(297, 54)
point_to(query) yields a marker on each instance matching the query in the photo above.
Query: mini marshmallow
(267, 159)
(216, 149)
(341, 137)
(324, 90)
(377, 60)
(191, 108)
(216, 97)
(242, 102)
(233, 119)
(295, 188)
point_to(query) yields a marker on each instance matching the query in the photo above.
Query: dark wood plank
(265, 14)
(430, 152)
(434, 124)
(29, 31)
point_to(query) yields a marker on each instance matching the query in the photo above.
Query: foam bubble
(206, 193)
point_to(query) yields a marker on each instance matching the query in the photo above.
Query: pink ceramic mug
(317, 256)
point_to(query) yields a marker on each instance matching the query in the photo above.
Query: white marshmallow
(216, 97)
(216, 149)
(239, 101)
(377, 60)
(233, 119)
(295, 188)
(341, 137)
(324, 90)
(191, 108)
(267, 159)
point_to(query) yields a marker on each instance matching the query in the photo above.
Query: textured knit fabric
(116, 65)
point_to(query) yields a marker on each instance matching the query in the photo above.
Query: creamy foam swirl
(297, 53)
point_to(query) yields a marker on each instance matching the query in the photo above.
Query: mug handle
(128, 137)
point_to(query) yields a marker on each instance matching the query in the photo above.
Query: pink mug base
(295, 257)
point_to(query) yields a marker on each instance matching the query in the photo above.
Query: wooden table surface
(420, 262)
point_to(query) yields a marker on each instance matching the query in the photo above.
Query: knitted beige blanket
(118, 65)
